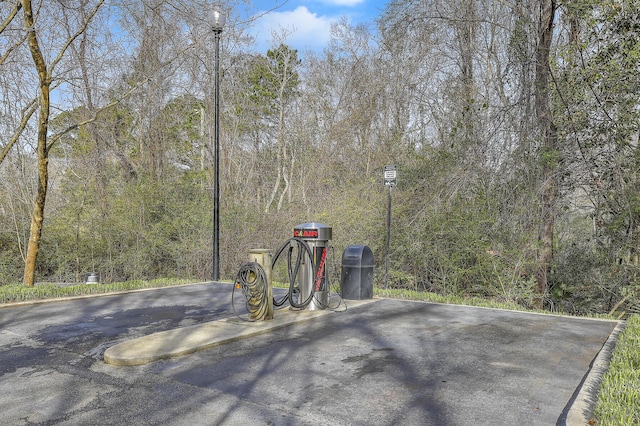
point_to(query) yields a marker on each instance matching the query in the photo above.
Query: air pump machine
(312, 277)
(306, 257)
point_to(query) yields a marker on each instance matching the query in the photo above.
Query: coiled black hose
(252, 279)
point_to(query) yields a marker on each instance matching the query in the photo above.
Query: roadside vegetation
(14, 293)
(619, 397)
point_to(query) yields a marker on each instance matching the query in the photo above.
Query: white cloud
(348, 3)
(304, 29)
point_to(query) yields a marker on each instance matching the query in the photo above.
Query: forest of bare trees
(514, 125)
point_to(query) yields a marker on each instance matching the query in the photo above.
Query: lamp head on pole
(217, 21)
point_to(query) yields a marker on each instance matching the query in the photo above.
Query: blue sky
(308, 23)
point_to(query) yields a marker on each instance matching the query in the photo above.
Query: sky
(308, 23)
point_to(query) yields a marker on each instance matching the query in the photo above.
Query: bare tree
(44, 67)
(45, 76)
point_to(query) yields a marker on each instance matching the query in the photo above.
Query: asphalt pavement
(386, 362)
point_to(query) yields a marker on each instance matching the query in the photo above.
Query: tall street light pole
(217, 22)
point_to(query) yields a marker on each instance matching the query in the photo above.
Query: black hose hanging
(293, 269)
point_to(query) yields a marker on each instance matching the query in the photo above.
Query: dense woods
(514, 125)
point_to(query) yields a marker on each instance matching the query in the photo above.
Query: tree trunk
(37, 217)
(42, 149)
(549, 151)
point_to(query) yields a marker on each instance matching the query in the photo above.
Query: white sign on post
(390, 175)
(390, 180)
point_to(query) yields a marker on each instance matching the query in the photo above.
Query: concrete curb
(186, 340)
(581, 409)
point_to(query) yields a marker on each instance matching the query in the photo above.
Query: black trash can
(356, 282)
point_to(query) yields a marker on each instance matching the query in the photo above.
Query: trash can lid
(312, 231)
(357, 255)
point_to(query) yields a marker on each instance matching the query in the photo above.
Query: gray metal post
(386, 260)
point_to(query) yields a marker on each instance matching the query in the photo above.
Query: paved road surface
(388, 362)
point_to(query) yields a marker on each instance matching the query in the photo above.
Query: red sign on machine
(320, 252)
(305, 233)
